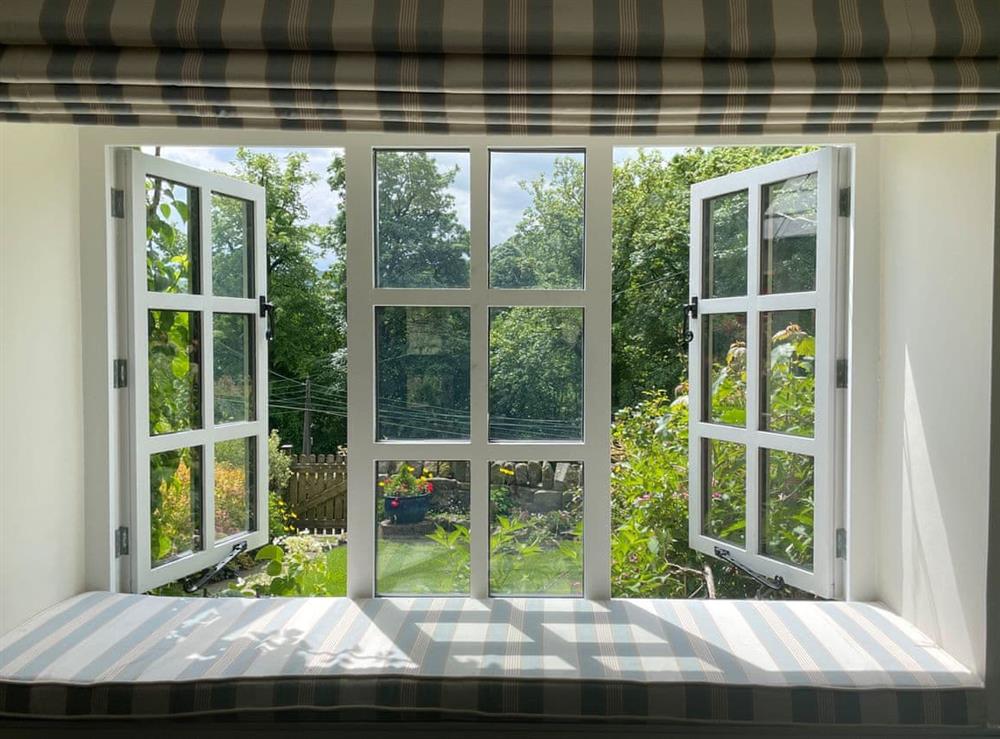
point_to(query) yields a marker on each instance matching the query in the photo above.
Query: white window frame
(362, 299)
(823, 446)
(136, 167)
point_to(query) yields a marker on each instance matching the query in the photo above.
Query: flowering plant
(405, 482)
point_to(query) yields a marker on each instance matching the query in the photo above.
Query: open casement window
(198, 347)
(762, 369)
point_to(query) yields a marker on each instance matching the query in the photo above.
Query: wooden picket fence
(317, 492)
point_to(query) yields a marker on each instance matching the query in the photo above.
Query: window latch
(237, 550)
(771, 583)
(267, 311)
(690, 311)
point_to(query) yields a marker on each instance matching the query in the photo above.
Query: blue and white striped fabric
(105, 654)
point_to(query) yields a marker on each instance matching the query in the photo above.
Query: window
(762, 421)
(479, 370)
(198, 386)
(451, 274)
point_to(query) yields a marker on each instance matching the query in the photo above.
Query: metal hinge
(117, 203)
(119, 373)
(841, 544)
(844, 206)
(841, 373)
(121, 541)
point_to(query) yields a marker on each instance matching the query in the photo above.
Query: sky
(507, 170)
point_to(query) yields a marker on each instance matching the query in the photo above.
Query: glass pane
(536, 528)
(422, 536)
(536, 374)
(235, 487)
(234, 367)
(174, 371)
(724, 478)
(536, 219)
(788, 233)
(422, 373)
(174, 504)
(231, 246)
(787, 499)
(422, 218)
(788, 371)
(726, 233)
(171, 237)
(725, 368)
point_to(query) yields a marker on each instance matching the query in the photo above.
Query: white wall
(937, 205)
(41, 391)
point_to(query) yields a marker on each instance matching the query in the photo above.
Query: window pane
(171, 237)
(788, 371)
(788, 233)
(174, 371)
(787, 499)
(234, 367)
(231, 246)
(422, 537)
(422, 373)
(235, 487)
(536, 374)
(724, 478)
(536, 528)
(174, 504)
(422, 222)
(725, 256)
(536, 219)
(725, 368)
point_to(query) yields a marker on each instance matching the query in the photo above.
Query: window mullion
(360, 372)
(753, 362)
(207, 366)
(479, 370)
(597, 373)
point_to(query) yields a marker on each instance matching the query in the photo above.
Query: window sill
(771, 662)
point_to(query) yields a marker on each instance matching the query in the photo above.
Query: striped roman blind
(623, 67)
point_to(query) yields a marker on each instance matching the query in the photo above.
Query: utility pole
(307, 420)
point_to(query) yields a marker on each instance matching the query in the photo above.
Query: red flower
(394, 503)
(430, 487)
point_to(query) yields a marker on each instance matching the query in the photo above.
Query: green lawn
(425, 568)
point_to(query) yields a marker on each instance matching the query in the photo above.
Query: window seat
(102, 655)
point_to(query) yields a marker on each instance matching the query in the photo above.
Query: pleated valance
(641, 67)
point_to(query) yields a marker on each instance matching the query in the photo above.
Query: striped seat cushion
(105, 654)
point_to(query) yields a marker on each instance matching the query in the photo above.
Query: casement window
(198, 385)
(762, 358)
(431, 383)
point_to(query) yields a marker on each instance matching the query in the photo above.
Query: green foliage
(301, 565)
(526, 558)
(420, 240)
(310, 299)
(546, 248)
(649, 482)
(403, 482)
(650, 251)
(536, 373)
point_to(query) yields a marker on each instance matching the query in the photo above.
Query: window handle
(267, 311)
(690, 311)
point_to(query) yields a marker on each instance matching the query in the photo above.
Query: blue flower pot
(406, 508)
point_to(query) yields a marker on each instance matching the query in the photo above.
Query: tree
(650, 256)
(310, 336)
(546, 248)
(420, 240)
